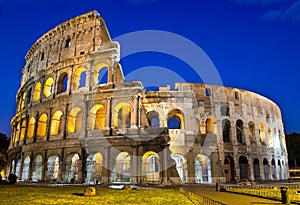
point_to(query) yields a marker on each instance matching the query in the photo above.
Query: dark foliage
(293, 148)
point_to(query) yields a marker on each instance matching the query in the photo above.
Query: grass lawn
(17, 194)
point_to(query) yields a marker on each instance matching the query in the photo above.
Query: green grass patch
(16, 194)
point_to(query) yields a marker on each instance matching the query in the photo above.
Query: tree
(4, 143)
(293, 148)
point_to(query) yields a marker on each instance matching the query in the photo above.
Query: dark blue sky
(254, 44)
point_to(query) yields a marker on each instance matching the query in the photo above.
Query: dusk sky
(254, 44)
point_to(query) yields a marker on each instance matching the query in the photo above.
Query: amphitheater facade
(79, 121)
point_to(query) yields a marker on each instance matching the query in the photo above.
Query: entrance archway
(72, 162)
(243, 162)
(94, 166)
(181, 167)
(52, 168)
(202, 169)
(256, 169)
(38, 166)
(121, 170)
(151, 167)
(25, 171)
(229, 169)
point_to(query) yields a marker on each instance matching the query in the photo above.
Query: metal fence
(202, 199)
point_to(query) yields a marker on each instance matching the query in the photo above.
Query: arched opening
(97, 117)
(122, 115)
(23, 129)
(176, 119)
(229, 169)
(243, 163)
(38, 167)
(251, 131)
(211, 125)
(56, 123)
(239, 131)
(37, 92)
(181, 167)
(25, 171)
(121, 168)
(62, 83)
(72, 163)
(18, 168)
(94, 166)
(12, 167)
(279, 170)
(42, 125)
(273, 169)
(101, 74)
(75, 120)
(256, 170)
(270, 138)
(48, 87)
(23, 100)
(202, 169)
(17, 133)
(79, 78)
(31, 125)
(226, 130)
(153, 118)
(52, 168)
(151, 167)
(262, 133)
(266, 169)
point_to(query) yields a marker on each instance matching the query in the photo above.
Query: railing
(268, 191)
(202, 199)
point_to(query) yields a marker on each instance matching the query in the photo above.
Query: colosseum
(79, 121)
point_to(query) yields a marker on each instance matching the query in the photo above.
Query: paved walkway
(209, 191)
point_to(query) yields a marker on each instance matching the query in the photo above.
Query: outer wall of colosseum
(79, 121)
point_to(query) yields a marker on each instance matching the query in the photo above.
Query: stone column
(49, 124)
(165, 164)
(31, 166)
(108, 120)
(251, 169)
(106, 168)
(134, 166)
(62, 164)
(45, 168)
(35, 127)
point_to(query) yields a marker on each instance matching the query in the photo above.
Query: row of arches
(64, 82)
(261, 170)
(68, 171)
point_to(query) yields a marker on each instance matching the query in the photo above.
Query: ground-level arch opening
(52, 169)
(151, 167)
(94, 166)
(121, 168)
(202, 169)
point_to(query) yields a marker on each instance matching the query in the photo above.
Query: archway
(151, 167)
(273, 170)
(256, 170)
(121, 169)
(18, 168)
(38, 167)
(229, 169)
(52, 168)
(94, 166)
(25, 171)
(279, 170)
(181, 167)
(266, 169)
(72, 162)
(202, 169)
(243, 163)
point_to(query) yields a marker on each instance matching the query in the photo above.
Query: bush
(12, 178)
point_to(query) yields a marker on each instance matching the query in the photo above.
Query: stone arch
(79, 78)
(94, 166)
(262, 133)
(181, 167)
(122, 115)
(270, 138)
(251, 131)
(226, 130)
(38, 167)
(239, 128)
(202, 169)
(31, 125)
(62, 83)
(256, 169)
(25, 171)
(23, 129)
(18, 168)
(151, 167)
(121, 168)
(273, 169)
(211, 125)
(266, 169)
(153, 118)
(100, 74)
(279, 169)
(42, 125)
(23, 99)
(37, 91)
(17, 132)
(97, 117)
(176, 119)
(243, 163)
(229, 169)
(72, 168)
(75, 120)
(52, 168)
(48, 87)
(56, 123)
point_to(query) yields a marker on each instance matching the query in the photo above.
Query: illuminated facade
(78, 121)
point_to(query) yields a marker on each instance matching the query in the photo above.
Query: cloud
(141, 1)
(289, 13)
(257, 2)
